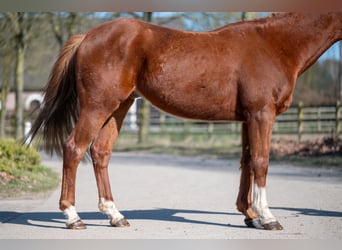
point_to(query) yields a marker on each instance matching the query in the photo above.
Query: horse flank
(60, 107)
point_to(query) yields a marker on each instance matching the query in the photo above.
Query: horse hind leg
(72, 155)
(87, 128)
(101, 150)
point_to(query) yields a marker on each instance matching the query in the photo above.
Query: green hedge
(15, 156)
(21, 172)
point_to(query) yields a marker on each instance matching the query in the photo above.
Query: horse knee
(259, 162)
(246, 209)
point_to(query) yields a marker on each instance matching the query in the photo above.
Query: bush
(14, 156)
(21, 173)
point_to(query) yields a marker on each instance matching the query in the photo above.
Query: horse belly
(192, 95)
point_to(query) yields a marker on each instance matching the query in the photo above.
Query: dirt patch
(5, 178)
(326, 146)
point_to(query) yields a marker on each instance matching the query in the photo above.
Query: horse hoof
(274, 225)
(120, 223)
(253, 223)
(76, 225)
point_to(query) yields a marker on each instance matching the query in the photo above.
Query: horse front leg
(244, 199)
(260, 125)
(101, 151)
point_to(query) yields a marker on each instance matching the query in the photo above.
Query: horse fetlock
(251, 214)
(246, 210)
(240, 207)
(260, 205)
(64, 204)
(108, 207)
(71, 216)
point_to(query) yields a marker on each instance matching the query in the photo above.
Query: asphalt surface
(171, 197)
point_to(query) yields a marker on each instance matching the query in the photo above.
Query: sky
(332, 53)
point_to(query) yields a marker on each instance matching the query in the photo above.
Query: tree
(20, 25)
(340, 73)
(63, 24)
(318, 83)
(5, 66)
(5, 87)
(247, 15)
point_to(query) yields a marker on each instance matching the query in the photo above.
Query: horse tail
(60, 108)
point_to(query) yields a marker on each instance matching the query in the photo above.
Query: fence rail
(297, 120)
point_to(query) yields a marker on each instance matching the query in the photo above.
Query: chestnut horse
(244, 72)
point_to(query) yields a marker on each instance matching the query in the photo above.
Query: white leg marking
(260, 205)
(108, 208)
(71, 215)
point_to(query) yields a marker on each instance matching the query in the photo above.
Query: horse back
(198, 75)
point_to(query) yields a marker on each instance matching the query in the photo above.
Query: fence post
(162, 120)
(210, 130)
(338, 118)
(300, 121)
(187, 127)
(319, 122)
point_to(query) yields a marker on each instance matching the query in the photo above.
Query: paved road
(167, 197)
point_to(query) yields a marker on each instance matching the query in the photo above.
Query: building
(31, 101)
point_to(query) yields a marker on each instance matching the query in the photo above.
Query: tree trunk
(20, 27)
(340, 72)
(243, 16)
(72, 23)
(144, 112)
(19, 87)
(4, 92)
(63, 27)
(56, 28)
(247, 16)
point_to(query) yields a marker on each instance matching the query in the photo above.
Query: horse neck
(305, 37)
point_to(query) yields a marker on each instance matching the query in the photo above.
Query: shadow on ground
(310, 211)
(49, 219)
(57, 220)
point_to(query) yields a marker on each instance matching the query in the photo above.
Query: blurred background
(29, 45)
